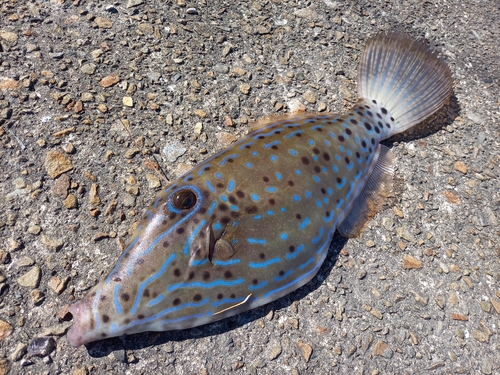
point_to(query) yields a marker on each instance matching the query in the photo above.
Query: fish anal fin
(371, 199)
(287, 117)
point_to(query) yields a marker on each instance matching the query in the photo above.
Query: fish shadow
(143, 340)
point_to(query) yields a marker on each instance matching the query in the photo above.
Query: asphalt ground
(93, 94)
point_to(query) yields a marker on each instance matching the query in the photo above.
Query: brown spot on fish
(363, 143)
(140, 316)
(197, 297)
(298, 216)
(202, 210)
(232, 199)
(172, 215)
(290, 183)
(223, 207)
(281, 273)
(251, 209)
(272, 202)
(177, 272)
(316, 150)
(103, 335)
(206, 193)
(373, 141)
(206, 275)
(274, 147)
(232, 295)
(341, 138)
(379, 115)
(347, 161)
(339, 180)
(374, 101)
(235, 214)
(220, 185)
(305, 160)
(191, 275)
(105, 318)
(180, 230)
(298, 135)
(387, 125)
(225, 220)
(319, 129)
(262, 255)
(177, 301)
(291, 249)
(220, 296)
(102, 298)
(368, 126)
(348, 131)
(327, 213)
(255, 281)
(317, 169)
(384, 111)
(125, 296)
(146, 293)
(326, 156)
(230, 160)
(265, 179)
(240, 194)
(369, 113)
(228, 274)
(164, 222)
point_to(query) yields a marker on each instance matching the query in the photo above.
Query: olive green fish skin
(254, 222)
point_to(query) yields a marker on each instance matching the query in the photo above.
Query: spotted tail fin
(403, 76)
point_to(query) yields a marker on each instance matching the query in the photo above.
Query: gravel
(95, 97)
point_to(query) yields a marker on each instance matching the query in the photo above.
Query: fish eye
(184, 199)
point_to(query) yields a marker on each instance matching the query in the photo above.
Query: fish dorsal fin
(286, 117)
(372, 197)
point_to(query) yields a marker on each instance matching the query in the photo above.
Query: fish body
(254, 222)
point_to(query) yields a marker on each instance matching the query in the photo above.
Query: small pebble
(305, 349)
(30, 279)
(19, 352)
(5, 329)
(128, 101)
(41, 346)
(56, 164)
(70, 202)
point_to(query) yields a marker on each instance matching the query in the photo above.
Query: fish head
(157, 283)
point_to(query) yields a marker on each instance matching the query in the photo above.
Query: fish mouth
(77, 332)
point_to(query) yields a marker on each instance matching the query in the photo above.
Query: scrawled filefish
(255, 221)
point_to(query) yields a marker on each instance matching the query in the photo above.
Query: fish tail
(404, 77)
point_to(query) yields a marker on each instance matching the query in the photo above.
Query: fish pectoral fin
(223, 250)
(218, 248)
(372, 197)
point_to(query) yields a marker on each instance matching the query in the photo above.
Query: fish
(254, 222)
